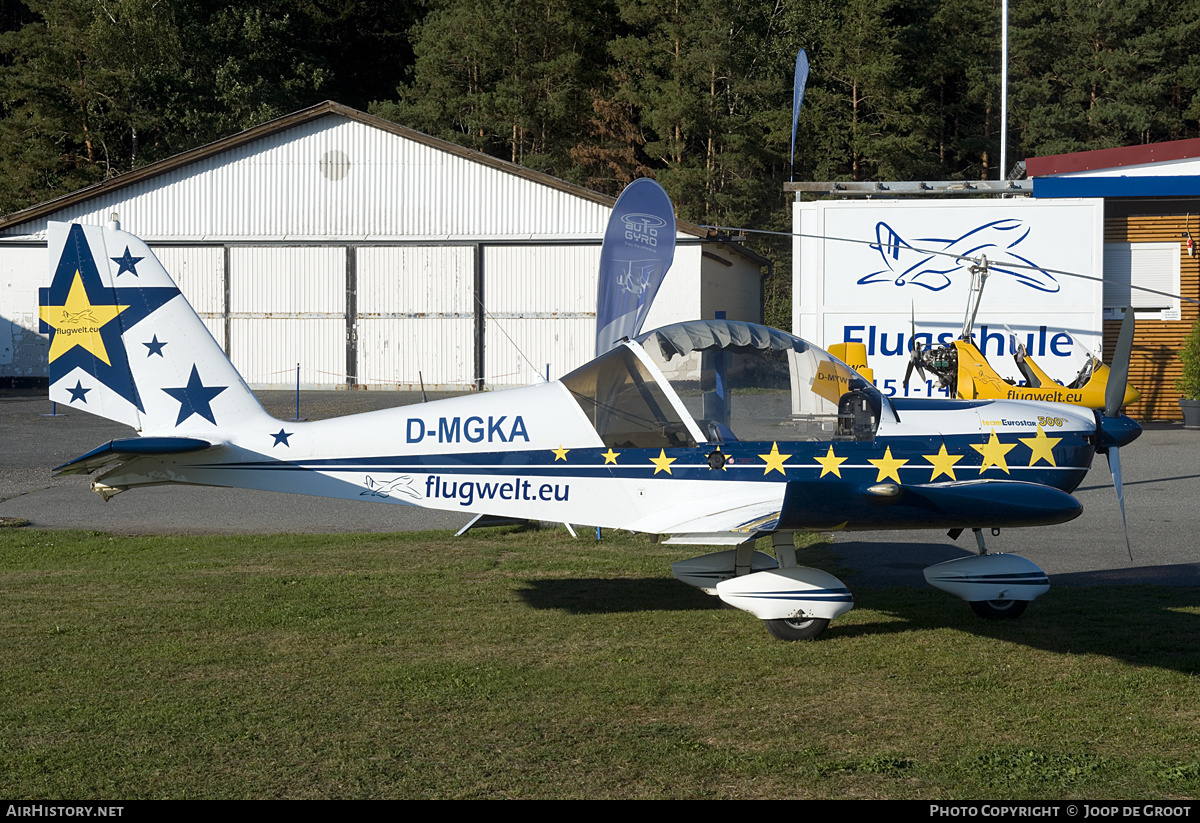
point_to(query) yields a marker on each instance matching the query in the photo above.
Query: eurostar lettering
(467, 492)
(1003, 422)
(470, 430)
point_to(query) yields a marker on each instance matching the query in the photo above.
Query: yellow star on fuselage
(662, 463)
(831, 464)
(887, 465)
(774, 460)
(77, 323)
(993, 453)
(942, 463)
(1041, 447)
(610, 456)
(560, 453)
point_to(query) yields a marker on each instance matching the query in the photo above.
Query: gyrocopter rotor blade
(979, 262)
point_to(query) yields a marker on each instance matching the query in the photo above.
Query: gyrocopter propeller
(914, 358)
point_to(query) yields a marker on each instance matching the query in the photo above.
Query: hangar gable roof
(330, 172)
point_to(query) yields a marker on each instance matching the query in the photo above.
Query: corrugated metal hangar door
(541, 311)
(394, 316)
(287, 306)
(415, 315)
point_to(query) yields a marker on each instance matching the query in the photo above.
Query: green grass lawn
(514, 663)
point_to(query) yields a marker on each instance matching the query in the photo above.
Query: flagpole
(1004, 91)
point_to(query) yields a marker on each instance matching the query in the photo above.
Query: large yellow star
(662, 463)
(1041, 447)
(774, 460)
(993, 453)
(831, 464)
(77, 323)
(888, 466)
(610, 456)
(942, 463)
(560, 453)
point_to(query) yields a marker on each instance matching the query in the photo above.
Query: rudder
(126, 345)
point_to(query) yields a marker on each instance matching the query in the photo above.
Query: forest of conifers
(697, 94)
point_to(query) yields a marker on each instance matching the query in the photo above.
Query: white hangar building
(366, 254)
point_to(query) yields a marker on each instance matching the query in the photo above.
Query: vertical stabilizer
(126, 345)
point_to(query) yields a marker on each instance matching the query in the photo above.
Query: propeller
(914, 359)
(1118, 377)
(1114, 397)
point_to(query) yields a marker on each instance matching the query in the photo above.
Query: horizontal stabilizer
(833, 504)
(115, 450)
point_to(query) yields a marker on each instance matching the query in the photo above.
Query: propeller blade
(1118, 375)
(1114, 466)
(914, 357)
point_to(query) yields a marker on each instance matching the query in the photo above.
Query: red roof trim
(1112, 158)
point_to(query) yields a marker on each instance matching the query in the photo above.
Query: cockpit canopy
(720, 381)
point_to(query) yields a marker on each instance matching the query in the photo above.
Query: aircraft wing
(734, 519)
(833, 504)
(120, 450)
(818, 505)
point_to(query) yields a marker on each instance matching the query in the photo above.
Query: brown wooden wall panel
(1154, 367)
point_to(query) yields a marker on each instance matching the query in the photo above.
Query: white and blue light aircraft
(713, 432)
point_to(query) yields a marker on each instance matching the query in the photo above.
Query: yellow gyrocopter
(965, 373)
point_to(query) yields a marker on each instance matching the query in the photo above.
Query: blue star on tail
(195, 397)
(79, 392)
(127, 262)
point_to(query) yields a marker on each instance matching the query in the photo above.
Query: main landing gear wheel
(797, 628)
(999, 609)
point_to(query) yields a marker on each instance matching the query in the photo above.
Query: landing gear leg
(743, 559)
(785, 549)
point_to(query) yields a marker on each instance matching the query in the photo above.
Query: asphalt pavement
(33, 443)
(1161, 472)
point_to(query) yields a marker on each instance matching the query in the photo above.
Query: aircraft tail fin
(126, 345)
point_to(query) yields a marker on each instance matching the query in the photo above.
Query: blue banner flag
(798, 83)
(639, 245)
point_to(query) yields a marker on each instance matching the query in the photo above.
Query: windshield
(738, 381)
(625, 403)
